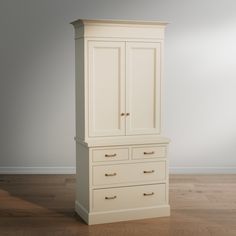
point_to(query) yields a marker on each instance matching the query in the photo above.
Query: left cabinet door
(106, 84)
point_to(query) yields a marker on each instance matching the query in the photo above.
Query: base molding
(121, 215)
(81, 211)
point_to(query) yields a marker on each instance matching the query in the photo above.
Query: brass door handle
(110, 155)
(113, 174)
(148, 171)
(110, 198)
(125, 114)
(148, 194)
(148, 153)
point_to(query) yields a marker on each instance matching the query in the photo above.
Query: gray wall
(37, 123)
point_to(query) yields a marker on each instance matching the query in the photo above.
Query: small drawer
(129, 197)
(129, 173)
(148, 152)
(112, 154)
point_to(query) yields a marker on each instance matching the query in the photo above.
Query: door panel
(106, 88)
(143, 88)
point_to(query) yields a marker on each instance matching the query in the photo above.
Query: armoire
(121, 156)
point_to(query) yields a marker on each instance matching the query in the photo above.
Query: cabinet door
(106, 73)
(143, 87)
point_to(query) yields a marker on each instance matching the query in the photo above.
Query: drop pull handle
(110, 155)
(148, 171)
(149, 153)
(110, 198)
(148, 194)
(112, 174)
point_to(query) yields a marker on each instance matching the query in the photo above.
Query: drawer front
(129, 197)
(148, 152)
(129, 173)
(111, 154)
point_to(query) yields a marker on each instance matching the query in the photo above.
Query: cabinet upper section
(119, 29)
(118, 80)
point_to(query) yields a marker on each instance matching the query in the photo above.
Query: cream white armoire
(122, 165)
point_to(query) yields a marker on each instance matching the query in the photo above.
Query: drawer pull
(113, 174)
(149, 153)
(110, 155)
(148, 194)
(110, 198)
(148, 171)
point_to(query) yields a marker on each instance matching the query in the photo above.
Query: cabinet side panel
(82, 175)
(79, 85)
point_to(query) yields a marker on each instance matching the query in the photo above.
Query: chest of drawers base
(102, 217)
(122, 182)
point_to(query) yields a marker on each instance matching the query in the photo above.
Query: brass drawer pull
(148, 171)
(149, 153)
(127, 114)
(148, 194)
(110, 198)
(122, 114)
(113, 174)
(110, 155)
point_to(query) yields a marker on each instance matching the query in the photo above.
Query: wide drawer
(129, 173)
(129, 197)
(148, 152)
(110, 154)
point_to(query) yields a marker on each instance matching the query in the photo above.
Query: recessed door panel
(106, 88)
(143, 88)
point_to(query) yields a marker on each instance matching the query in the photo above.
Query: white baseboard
(72, 170)
(37, 170)
(202, 170)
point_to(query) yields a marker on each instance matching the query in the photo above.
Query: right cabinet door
(143, 88)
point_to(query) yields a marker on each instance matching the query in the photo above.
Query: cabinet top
(84, 22)
(123, 29)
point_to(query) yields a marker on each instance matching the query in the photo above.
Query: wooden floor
(44, 205)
